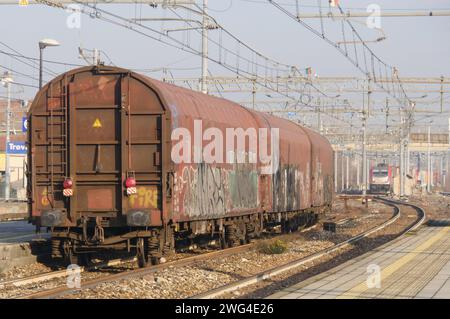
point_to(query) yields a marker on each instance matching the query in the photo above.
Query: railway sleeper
(151, 244)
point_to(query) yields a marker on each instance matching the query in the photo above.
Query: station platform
(18, 232)
(414, 266)
(13, 211)
(20, 245)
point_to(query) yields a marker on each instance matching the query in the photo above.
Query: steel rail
(59, 273)
(63, 290)
(264, 275)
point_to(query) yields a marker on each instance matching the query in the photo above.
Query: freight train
(119, 161)
(381, 179)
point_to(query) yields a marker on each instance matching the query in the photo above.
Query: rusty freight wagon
(116, 162)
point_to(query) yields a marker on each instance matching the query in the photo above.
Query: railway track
(64, 290)
(262, 276)
(37, 278)
(59, 274)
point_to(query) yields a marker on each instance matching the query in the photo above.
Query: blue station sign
(16, 148)
(24, 124)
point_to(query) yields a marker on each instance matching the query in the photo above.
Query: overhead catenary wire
(17, 56)
(25, 84)
(298, 101)
(354, 60)
(44, 60)
(397, 92)
(20, 58)
(248, 71)
(301, 5)
(131, 25)
(18, 72)
(276, 68)
(287, 67)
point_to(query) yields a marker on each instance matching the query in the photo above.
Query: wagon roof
(174, 96)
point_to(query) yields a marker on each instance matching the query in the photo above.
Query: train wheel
(85, 259)
(258, 228)
(142, 252)
(231, 235)
(243, 235)
(223, 240)
(154, 248)
(70, 258)
(155, 260)
(250, 231)
(57, 248)
(285, 229)
(169, 244)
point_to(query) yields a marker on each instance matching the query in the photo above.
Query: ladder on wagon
(57, 135)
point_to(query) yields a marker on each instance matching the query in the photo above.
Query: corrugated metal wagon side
(102, 174)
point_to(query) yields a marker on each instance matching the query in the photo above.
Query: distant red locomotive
(381, 178)
(111, 166)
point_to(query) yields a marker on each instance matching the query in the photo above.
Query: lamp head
(48, 43)
(6, 78)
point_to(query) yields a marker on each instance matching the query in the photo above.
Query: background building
(16, 150)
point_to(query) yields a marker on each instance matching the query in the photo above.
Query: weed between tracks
(272, 246)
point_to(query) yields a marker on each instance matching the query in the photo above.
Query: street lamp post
(42, 45)
(204, 87)
(429, 179)
(336, 170)
(364, 157)
(6, 80)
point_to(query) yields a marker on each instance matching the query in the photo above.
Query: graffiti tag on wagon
(44, 198)
(145, 198)
(204, 190)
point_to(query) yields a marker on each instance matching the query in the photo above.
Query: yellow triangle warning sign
(97, 123)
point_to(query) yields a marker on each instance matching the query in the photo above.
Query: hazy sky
(417, 46)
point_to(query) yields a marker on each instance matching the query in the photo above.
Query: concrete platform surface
(18, 232)
(414, 266)
(13, 210)
(20, 245)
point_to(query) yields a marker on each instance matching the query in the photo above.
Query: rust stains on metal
(100, 126)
